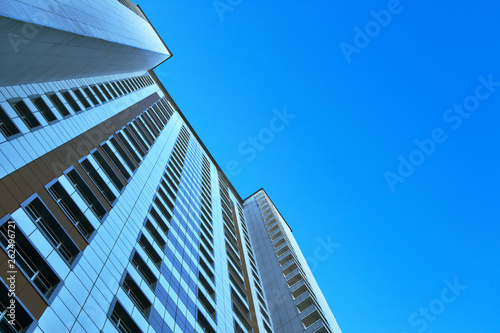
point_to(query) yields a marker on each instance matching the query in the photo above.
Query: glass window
(52, 230)
(29, 260)
(7, 126)
(25, 114)
(59, 105)
(44, 109)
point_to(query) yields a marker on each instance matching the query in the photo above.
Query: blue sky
(405, 235)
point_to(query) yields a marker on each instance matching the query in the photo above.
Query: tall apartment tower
(114, 217)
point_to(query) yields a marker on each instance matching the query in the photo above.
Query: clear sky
(380, 137)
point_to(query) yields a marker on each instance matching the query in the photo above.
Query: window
(118, 90)
(52, 230)
(127, 145)
(108, 170)
(206, 285)
(124, 87)
(32, 264)
(99, 181)
(122, 320)
(130, 129)
(241, 317)
(118, 164)
(136, 295)
(59, 105)
(22, 320)
(7, 127)
(299, 291)
(87, 194)
(305, 304)
(44, 109)
(311, 319)
(134, 142)
(98, 93)
(155, 234)
(122, 153)
(71, 209)
(206, 269)
(150, 251)
(106, 92)
(69, 98)
(25, 114)
(286, 259)
(110, 89)
(207, 305)
(91, 96)
(144, 270)
(154, 213)
(139, 128)
(82, 98)
(204, 323)
(294, 279)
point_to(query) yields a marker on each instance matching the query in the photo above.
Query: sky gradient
(372, 125)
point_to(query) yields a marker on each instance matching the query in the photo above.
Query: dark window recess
(163, 209)
(150, 250)
(241, 317)
(138, 127)
(155, 234)
(69, 98)
(136, 295)
(204, 282)
(118, 90)
(131, 84)
(122, 320)
(30, 261)
(22, 320)
(25, 114)
(155, 120)
(204, 323)
(134, 84)
(82, 98)
(147, 129)
(44, 109)
(159, 220)
(207, 305)
(241, 303)
(144, 270)
(169, 190)
(71, 209)
(110, 89)
(116, 161)
(106, 92)
(166, 199)
(7, 126)
(130, 129)
(87, 194)
(123, 154)
(127, 145)
(137, 146)
(207, 270)
(90, 95)
(98, 94)
(52, 230)
(108, 170)
(125, 88)
(99, 181)
(59, 105)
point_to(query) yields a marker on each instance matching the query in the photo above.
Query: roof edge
(164, 90)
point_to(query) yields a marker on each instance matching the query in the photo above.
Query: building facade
(114, 217)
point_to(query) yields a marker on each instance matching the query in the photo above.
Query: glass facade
(114, 217)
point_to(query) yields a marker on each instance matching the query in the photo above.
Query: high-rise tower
(114, 217)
